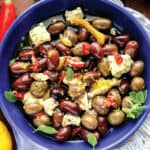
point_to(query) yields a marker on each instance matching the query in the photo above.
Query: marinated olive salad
(78, 77)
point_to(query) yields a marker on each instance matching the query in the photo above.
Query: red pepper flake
(118, 58)
(39, 114)
(19, 95)
(85, 49)
(110, 102)
(77, 74)
(61, 77)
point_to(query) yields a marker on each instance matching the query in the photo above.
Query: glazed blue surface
(43, 10)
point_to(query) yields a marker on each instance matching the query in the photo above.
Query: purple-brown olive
(121, 40)
(56, 28)
(125, 101)
(32, 108)
(100, 105)
(57, 93)
(90, 63)
(63, 133)
(92, 38)
(116, 117)
(39, 88)
(90, 77)
(53, 60)
(137, 84)
(101, 23)
(76, 131)
(44, 48)
(115, 95)
(69, 106)
(110, 49)
(57, 118)
(131, 49)
(53, 75)
(96, 50)
(124, 87)
(22, 83)
(137, 68)
(19, 67)
(83, 34)
(89, 121)
(102, 125)
(43, 119)
(85, 132)
(64, 50)
(26, 54)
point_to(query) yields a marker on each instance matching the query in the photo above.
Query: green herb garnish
(69, 73)
(10, 96)
(135, 106)
(46, 129)
(54, 84)
(91, 139)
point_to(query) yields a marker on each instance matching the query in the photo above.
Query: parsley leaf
(46, 129)
(91, 139)
(69, 73)
(10, 96)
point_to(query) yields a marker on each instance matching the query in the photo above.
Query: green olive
(116, 117)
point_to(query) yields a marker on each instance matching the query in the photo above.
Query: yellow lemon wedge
(5, 138)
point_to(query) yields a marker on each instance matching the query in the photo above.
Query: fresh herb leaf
(10, 96)
(69, 73)
(132, 95)
(46, 129)
(92, 139)
(54, 84)
(12, 61)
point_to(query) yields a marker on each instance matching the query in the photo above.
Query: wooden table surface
(141, 5)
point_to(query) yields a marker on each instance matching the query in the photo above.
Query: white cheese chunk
(117, 70)
(49, 106)
(76, 13)
(39, 76)
(70, 119)
(39, 35)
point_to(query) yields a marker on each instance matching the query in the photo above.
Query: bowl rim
(34, 7)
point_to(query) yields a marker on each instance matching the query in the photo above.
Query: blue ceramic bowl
(46, 8)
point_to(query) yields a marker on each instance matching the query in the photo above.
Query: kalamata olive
(81, 49)
(110, 49)
(116, 117)
(43, 119)
(96, 50)
(44, 48)
(19, 67)
(137, 84)
(137, 68)
(26, 54)
(69, 106)
(53, 59)
(85, 132)
(99, 104)
(125, 101)
(76, 131)
(56, 28)
(63, 134)
(32, 108)
(115, 95)
(53, 75)
(90, 77)
(102, 125)
(83, 34)
(22, 83)
(39, 88)
(57, 93)
(89, 121)
(92, 38)
(57, 118)
(69, 36)
(121, 40)
(64, 50)
(101, 23)
(131, 49)
(124, 87)
(103, 67)
(90, 63)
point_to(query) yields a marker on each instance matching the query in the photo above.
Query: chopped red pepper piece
(39, 114)
(85, 49)
(118, 58)
(77, 74)
(76, 64)
(61, 77)
(19, 95)
(110, 102)
(35, 63)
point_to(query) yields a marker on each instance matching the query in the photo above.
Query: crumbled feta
(84, 103)
(39, 76)
(69, 119)
(76, 13)
(39, 35)
(49, 106)
(117, 70)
